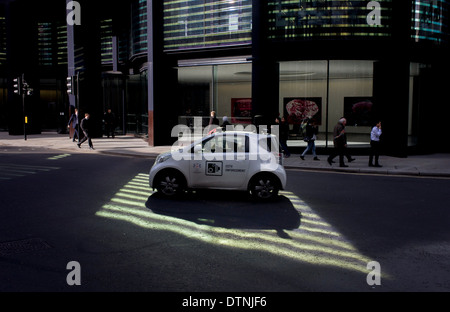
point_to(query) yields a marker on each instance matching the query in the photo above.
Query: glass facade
(51, 52)
(211, 37)
(225, 89)
(326, 91)
(329, 19)
(139, 27)
(62, 45)
(3, 80)
(106, 39)
(2, 39)
(430, 20)
(137, 106)
(206, 23)
(45, 44)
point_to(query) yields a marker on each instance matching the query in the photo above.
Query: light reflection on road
(314, 241)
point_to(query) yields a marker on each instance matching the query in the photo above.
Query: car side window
(226, 143)
(215, 144)
(237, 144)
(241, 143)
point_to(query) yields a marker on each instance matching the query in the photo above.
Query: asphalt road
(320, 236)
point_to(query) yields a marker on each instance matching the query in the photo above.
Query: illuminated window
(45, 44)
(323, 19)
(139, 27)
(106, 41)
(199, 24)
(429, 20)
(49, 50)
(62, 45)
(2, 40)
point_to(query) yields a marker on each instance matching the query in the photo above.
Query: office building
(153, 62)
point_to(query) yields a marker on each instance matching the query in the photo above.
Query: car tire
(170, 183)
(264, 187)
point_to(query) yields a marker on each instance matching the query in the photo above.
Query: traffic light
(17, 85)
(71, 84)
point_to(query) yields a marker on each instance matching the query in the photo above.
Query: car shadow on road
(228, 209)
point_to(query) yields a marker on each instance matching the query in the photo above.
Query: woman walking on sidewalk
(311, 132)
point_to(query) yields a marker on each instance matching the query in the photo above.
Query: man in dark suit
(109, 123)
(85, 127)
(74, 120)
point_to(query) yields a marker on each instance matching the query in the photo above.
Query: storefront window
(303, 94)
(194, 95)
(225, 89)
(325, 91)
(233, 92)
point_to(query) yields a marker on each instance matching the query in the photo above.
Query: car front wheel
(170, 183)
(264, 186)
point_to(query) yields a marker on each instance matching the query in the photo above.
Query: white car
(232, 160)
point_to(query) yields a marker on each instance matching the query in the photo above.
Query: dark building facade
(155, 62)
(363, 60)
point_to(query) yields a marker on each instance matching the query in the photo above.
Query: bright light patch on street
(57, 157)
(315, 241)
(10, 171)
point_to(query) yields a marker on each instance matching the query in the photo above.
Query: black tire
(170, 183)
(264, 187)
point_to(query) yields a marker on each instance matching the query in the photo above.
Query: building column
(391, 100)
(150, 74)
(265, 69)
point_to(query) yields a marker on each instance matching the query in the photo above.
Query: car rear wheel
(264, 186)
(170, 183)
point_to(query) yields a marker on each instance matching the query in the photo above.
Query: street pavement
(436, 165)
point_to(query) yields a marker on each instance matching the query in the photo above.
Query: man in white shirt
(375, 145)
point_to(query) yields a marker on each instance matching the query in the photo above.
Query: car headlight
(162, 158)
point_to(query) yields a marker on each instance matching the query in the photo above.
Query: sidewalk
(437, 165)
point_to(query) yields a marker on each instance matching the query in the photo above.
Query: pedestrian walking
(375, 145)
(213, 120)
(213, 123)
(74, 121)
(311, 132)
(86, 127)
(340, 144)
(225, 123)
(109, 120)
(284, 135)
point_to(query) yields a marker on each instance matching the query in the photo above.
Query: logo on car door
(214, 168)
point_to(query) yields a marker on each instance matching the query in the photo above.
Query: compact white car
(232, 160)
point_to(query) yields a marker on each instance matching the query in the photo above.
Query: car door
(220, 163)
(206, 165)
(236, 160)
